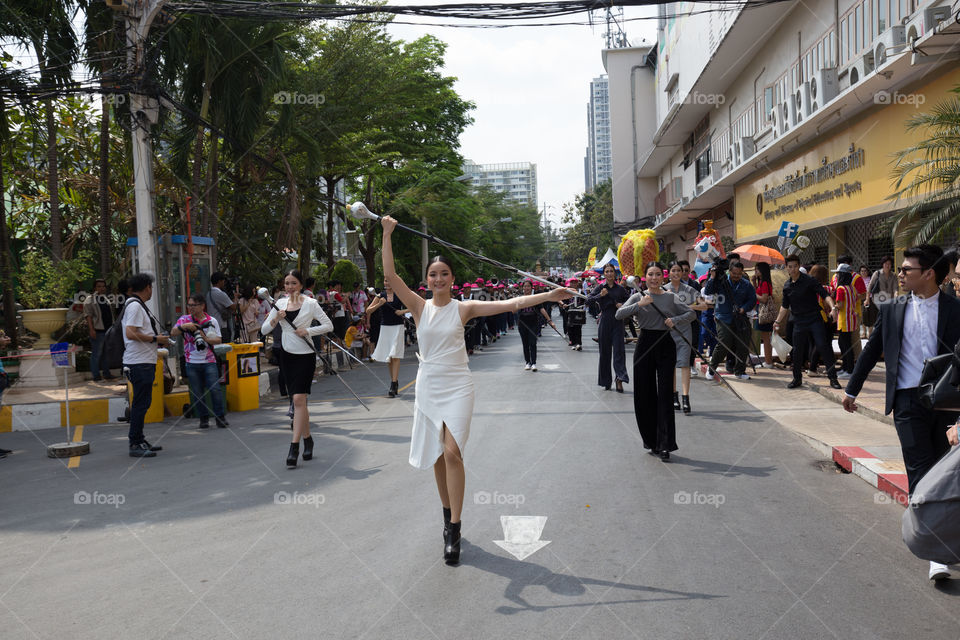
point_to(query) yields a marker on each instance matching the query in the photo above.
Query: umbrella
(759, 253)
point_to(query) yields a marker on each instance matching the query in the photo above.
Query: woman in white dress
(444, 400)
(390, 343)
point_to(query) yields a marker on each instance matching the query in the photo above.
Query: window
(767, 101)
(882, 16)
(857, 38)
(844, 54)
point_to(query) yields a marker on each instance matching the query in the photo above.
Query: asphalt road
(745, 534)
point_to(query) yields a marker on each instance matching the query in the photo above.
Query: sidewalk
(864, 443)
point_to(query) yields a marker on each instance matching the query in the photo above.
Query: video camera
(721, 265)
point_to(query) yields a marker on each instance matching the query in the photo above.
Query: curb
(872, 469)
(826, 392)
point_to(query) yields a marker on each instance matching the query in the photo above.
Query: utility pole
(144, 111)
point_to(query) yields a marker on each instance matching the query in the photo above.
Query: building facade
(597, 161)
(788, 112)
(518, 180)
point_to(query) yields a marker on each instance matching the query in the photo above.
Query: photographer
(200, 332)
(220, 304)
(735, 297)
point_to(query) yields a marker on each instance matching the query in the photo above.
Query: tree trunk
(104, 188)
(6, 272)
(198, 181)
(330, 185)
(306, 247)
(53, 187)
(211, 200)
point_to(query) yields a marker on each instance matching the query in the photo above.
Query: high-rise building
(518, 180)
(598, 163)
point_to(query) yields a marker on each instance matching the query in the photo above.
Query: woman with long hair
(820, 273)
(683, 337)
(655, 360)
(764, 296)
(609, 296)
(295, 314)
(528, 320)
(444, 401)
(845, 312)
(391, 340)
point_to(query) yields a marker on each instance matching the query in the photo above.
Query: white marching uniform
(445, 391)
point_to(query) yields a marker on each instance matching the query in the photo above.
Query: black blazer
(888, 334)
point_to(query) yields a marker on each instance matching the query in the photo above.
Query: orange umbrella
(759, 253)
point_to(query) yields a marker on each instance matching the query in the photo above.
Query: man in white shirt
(140, 342)
(910, 329)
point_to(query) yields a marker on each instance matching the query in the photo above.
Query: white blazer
(309, 311)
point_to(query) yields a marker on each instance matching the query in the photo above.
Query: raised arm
(477, 308)
(410, 299)
(376, 304)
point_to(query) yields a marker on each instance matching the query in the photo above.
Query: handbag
(938, 383)
(768, 312)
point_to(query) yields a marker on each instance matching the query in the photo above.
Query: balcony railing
(668, 196)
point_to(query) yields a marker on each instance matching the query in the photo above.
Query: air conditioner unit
(888, 43)
(794, 109)
(716, 171)
(861, 68)
(804, 102)
(775, 120)
(746, 148)
(735, 157)
(824, 87)
(782, 118)
(925, 21)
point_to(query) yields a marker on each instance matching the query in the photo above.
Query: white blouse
(309, 311)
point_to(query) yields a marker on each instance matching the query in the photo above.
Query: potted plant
(45, 287)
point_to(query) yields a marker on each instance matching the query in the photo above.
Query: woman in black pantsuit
(609, 296)
(528, 322)
(655, 359)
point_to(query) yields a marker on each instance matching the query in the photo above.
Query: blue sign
(788, 229)
(60, 354)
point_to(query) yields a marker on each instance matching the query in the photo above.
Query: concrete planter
(44, 322)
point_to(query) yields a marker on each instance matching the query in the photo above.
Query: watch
(153, 338)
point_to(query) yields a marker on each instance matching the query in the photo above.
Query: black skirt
(298, 371)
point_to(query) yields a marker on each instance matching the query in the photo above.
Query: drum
(576, 317)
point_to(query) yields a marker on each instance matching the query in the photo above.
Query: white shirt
(135, 351)
(919, 338)
(309, 311)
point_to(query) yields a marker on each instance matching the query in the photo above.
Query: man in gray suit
(910, 329)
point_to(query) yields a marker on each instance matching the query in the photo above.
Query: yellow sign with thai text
(846, 176)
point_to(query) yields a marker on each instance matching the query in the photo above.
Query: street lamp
(490, 224)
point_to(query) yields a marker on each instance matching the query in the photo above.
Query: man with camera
(221, 304)
(735, 297)
(140, 341)
(200, 332)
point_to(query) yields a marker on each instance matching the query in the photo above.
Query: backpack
(113, 346)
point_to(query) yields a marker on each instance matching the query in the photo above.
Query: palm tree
(49, 31)
(929, 171)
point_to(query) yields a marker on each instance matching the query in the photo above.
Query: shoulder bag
(938, 383)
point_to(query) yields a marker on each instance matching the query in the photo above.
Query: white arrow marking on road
(522, 535)
(550, 367)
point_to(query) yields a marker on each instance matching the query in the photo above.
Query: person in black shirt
(609, 296)
(99, 317)
(528, 319)
(390, 343)
(801, 297)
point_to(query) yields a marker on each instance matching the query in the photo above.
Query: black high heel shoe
(676, 401)
(292, 454)
(451, 544)
(393, 393)
(686, 405)
(308, 448)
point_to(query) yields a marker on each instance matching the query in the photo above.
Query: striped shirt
(847, 317)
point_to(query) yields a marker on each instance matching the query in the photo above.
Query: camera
(721, 265)
(199, 339)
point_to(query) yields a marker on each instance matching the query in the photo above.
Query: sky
(530, 86)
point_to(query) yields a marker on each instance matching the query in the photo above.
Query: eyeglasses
(909, 269)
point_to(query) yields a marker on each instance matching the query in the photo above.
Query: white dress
(444, 384)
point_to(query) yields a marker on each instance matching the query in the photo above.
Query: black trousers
(803, 334)
(610, 337)
(654, 366)
(528, 336)
(845, 341)
(922, 433)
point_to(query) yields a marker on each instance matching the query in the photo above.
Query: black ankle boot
(451, 544)
(308, 448)
(686, 404)
(676, 401)
(292, 454)
(446, 522)
(394, 392)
